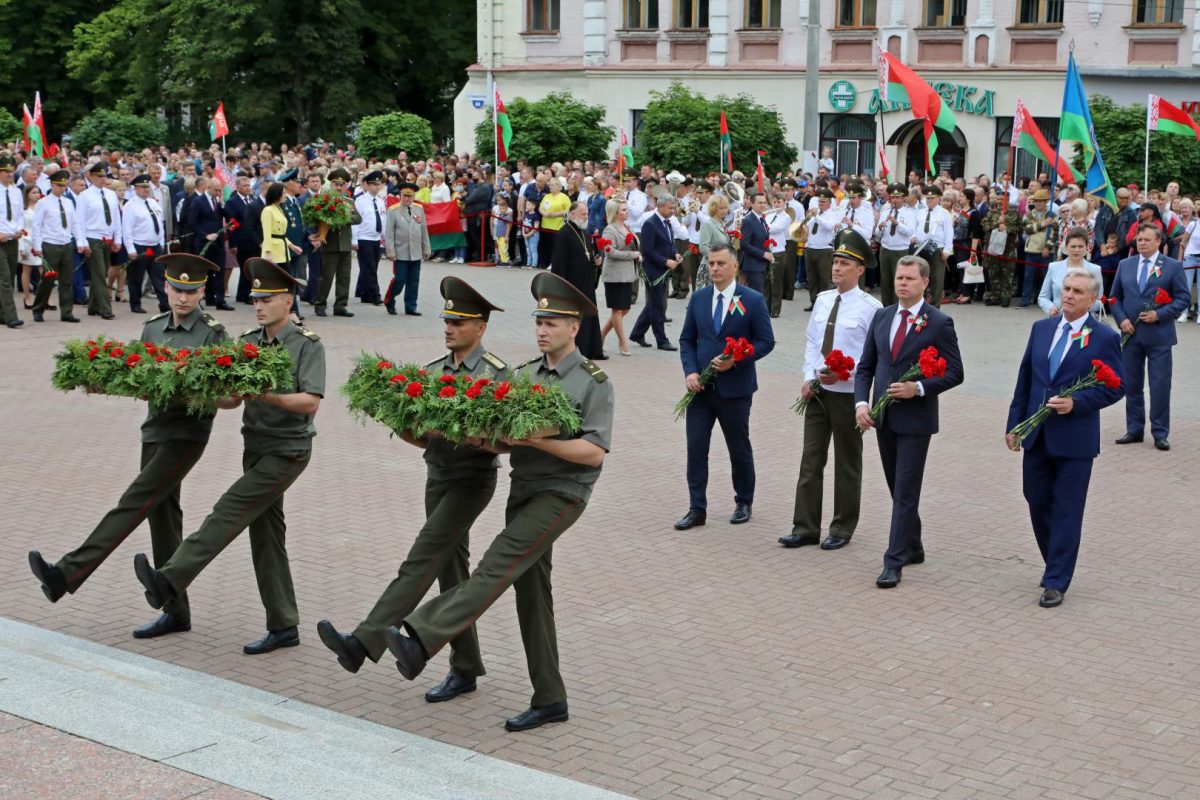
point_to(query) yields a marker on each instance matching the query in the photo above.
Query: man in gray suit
(406, 240)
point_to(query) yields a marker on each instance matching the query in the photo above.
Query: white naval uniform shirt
(89, 219)
(140, 217)
(906, 228)
(47, 221)
(850, 331)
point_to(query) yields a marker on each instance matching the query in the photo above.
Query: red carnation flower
(502, 390)
(160, 358)
(385, 365)
(91, 342)
(249, 350)
(398, 379)
(422, 372)
(149, 252)
(133, 360)
(537, 388)
(224, 361)
(95, 351)
(116, 352)
(447, 391)
(414, 389)
(447, 379)
(150, 348)
(1161, 297)
(483, 382)
(630, 239)
(473, 392)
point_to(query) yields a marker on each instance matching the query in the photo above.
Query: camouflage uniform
(1001, 273)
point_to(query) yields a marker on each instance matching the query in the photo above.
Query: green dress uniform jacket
(277, 448)
(172, 443)
(460, 483)
(547, 496)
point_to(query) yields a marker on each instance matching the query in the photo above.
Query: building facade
(981, 55)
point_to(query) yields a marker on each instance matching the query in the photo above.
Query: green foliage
(409, 400)
(558, 127)
(294, 72)
(11, 129)
(385, 135)
(116, 130)
(166, 377)
(333, 208)
(1121, 134)
(681, 130)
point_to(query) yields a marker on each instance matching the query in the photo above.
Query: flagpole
(1058, 141)
(1146, 166)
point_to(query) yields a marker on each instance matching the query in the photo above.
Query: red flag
(1028, 137)
(758, 171)
(1162, 116)
(883, 165)
(26, 124)
(442, 218)
(220, 125)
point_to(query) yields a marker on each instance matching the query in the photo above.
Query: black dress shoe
(796, 540)
(167, 623)
(37, 317)
(138, 310)
(888, 579)
(54, 584)
(343, 313)
(1051, 598)
(601, 357)
(70, 318)
(320, 312)
(412, 313)
(392, 311)
(288, 637)
(917, 557)
(834, 543)
(1162, 444)
(158, 590)
(741, 514)
(667, 320)
(667, 346)
(694, 518)
(225, 307)
(537, 717)
(410, 654)
(640, 342)
(451, 687)
(809, 308)
(348, 649)
(376, 302)
(16, 323)
(108, 317)
(1130, 438)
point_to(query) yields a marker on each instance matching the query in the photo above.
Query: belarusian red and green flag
(1027, 136)
(726, 145)
(626, 151)
(33, 144)
(503, 127)
(218, 126)
(1162, 116)
(899, 84)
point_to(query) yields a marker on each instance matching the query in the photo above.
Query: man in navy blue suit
(898, 334)
(754, 257)
(247, 239)
(1059, 453)
(658, 259)
(205, 219)
(1151, 330)
(714, 313)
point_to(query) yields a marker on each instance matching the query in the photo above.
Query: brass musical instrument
(734, 191)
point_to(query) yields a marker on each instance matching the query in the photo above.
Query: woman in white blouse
(1078, 242)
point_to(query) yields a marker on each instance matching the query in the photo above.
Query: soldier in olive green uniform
(172, 443)
(1001, 272)
(277, 431)
(552, 480)
(335, 257)
(460, 483)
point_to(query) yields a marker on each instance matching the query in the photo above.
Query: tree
(1121, 134)
(681, 130)
(11, 129)
(308, 78)
(556, 128)
(384, 135)
(115, 130)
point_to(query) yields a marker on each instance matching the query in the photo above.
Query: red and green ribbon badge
(1082, 337)
(920, 322)
(736, 306)
(1157, 271)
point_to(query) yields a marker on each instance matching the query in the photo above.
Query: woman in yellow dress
(275, 244)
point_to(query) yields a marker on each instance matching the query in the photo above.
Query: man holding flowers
(839, 323)
(459, 484)
(172, 442)
(277, 432)
(904, 336)
(552, 480)
(1075, 361)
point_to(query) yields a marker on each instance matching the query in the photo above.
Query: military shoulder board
(436, 362)
(158, 316)
(247, 333)
(210, 321)
(494, 362)
(598, 375)
(529, 362)
(306, 333)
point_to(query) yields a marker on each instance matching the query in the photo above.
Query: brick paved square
(711, 663)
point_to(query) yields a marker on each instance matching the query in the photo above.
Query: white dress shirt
(940, 229)
(906, 228)
(635, 205)
(777, 229)
(141, 217)
(850, 331)
(823, 227)
(694, 231)
(89, 219)
(862, 219)
(47, 221)
(12, 211)
(728, 293)
(368, 205)
(1076, 327)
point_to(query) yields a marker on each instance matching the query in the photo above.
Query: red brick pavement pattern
(40, 762)
(711, 663)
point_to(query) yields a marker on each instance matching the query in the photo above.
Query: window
(691, 14)
(641, 14)
(949, 13)
(639, 119)
(856, 14)
(542, 16)
(852, 139)
(762, 13)
(1158, 12)
(1042, 12)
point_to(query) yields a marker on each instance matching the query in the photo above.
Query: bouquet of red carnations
(736, 349)
(836, 363)
(1161, 298)
(1101, 375)
(929, 364)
